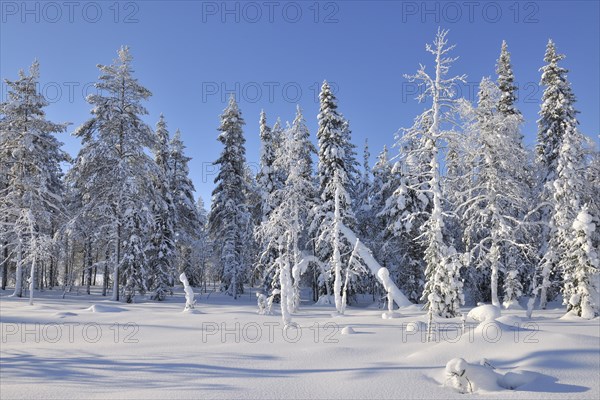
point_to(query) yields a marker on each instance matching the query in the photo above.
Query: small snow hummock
(65, 314)
(325, 300)
(416, 326)
(101, 308)
(486, 312)
(348, 330)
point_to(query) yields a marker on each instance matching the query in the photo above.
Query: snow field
(228, 350)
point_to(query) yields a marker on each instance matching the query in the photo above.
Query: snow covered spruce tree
(161, 249)
(187, 223)
(333, 163)
(230, 220)
(202, 250)
(557, 119)
(443, 287)
(301, 193)
(520, 264)
(364, 191)
(572, 227)
(497, 198)
(269, 182)
(385, 181)
(112, 171)
(406, 211)
(506, 83)
(581, 265)
(31, 191)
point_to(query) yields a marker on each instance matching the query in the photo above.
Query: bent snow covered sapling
(189, 293)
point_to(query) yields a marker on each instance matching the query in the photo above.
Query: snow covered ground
(88, 347)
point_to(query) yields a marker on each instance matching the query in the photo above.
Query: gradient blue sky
(185, 51)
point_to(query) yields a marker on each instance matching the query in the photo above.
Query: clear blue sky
(275, 54)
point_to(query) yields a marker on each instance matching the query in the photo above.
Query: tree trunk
(5, 267)
(494, 279)
(19, 274)
(115, 295)
(88, 256)
(32, 281)
(51, 274)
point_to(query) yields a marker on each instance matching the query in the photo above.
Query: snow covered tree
(557, 113)
(497, 196)
(383, 185)
(364, 191)
(557, 121)
(161, 250)
(134, 261)
(571, 193)
(506, 83)
(284, 232)
(335, 201)
(202, 250)
(581, 265)
(229, 219)
(443, 287)
(267, 176)
(405, 212)
(112, 169)
(187, 224)
(352, 164)
(31, 190)
(269, 183)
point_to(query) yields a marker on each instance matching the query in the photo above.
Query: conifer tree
(112, 169)
(230, 220)
(31, 190)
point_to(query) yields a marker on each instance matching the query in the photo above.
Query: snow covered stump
(189, 293)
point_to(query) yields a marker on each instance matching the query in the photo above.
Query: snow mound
(338, 315)
(511, 320)
(65, 314)
(486, 312)
(467, 377)
(325, 301)
(101, 308)
(514, 380)
(390, 315)
(348, 330)
(512, 305)
(416, 326)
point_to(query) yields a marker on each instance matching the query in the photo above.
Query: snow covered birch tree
(443, 287)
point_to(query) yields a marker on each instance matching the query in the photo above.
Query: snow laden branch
(381, 273)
